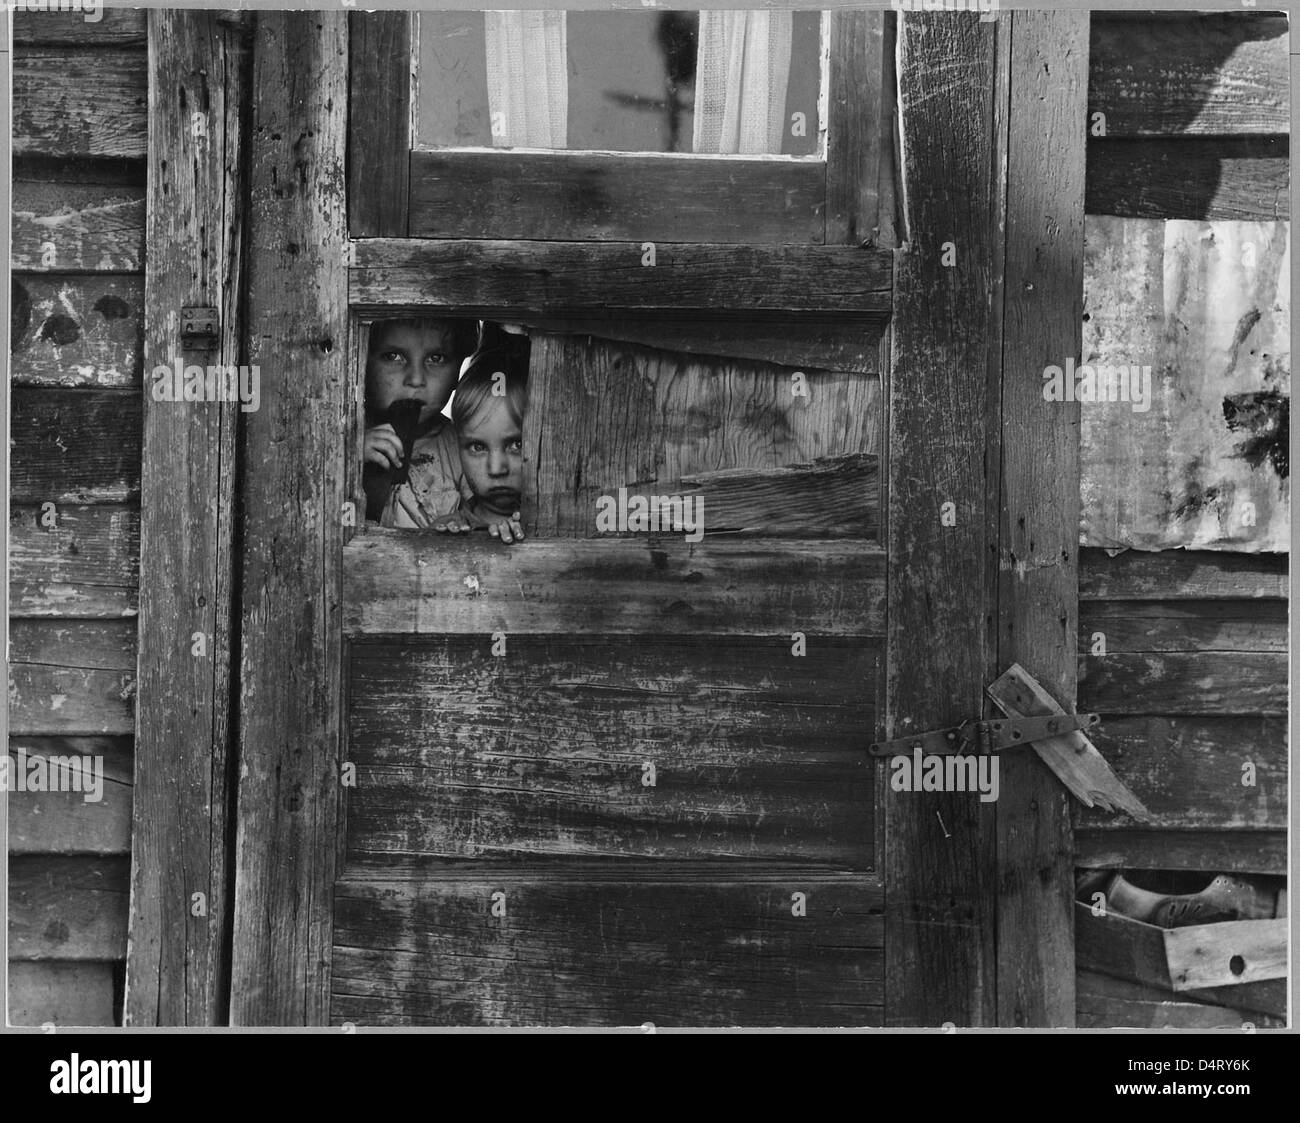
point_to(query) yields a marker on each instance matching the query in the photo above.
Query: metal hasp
(977, 736)
(199, 329)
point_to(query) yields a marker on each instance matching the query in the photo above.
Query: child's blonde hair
(492, 374)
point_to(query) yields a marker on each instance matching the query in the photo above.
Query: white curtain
(740, 81)
(528, 79)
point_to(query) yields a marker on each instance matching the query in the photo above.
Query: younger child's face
(492, 456)
(407, 361)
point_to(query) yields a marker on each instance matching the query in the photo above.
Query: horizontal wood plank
(545, 749)
(573, 953)
(1118, 627)
(397, 583)
(1180, 575)
(1206, 851)
(67, 908)
(71, 822)
(808, 343)
(1205, 75)
(506, 280)
(76, 331)
(1219, 955)
(1179, 682)
(77, 228)
(74, 447)
(1232, 178)
(79, 101)
(608, 197)
(87, 565)
(72, 677)
(63, 994)
(1188, 771)
(1108, 1003)
(119, 27)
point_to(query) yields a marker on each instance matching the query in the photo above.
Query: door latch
(992, 736)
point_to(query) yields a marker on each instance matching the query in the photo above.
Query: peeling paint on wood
(77, 228)
(76, 331)
(76, 101)
(1204, 308)
(87, 565)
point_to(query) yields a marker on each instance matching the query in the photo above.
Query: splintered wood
(1074, 759)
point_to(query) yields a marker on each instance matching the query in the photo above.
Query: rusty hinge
(992, 736)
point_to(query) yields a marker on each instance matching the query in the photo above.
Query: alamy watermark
(931, 772)
(643, 514)
(179, 382)
(92, 11)
(26, 772)
(1101, 383)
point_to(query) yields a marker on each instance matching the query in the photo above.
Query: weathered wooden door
(617, 779)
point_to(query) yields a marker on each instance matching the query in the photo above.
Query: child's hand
(508, 530)
(454, 523)
(383, 447)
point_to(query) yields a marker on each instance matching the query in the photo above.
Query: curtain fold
(742, 72)
(528, 78)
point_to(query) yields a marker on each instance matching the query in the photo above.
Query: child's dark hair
(464, 333)
(492, 374)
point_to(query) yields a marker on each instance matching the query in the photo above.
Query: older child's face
(491, 455)
(410, 361)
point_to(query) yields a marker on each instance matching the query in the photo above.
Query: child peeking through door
(488, 413)
(412, 463)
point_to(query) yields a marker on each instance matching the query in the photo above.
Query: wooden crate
(1234, 959)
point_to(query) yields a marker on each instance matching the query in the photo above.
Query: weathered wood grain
(1039, 530)
(613, 198)
(66, 822)
(505, 280)
(1219, 955)
(1202, 312)
(757, 753)
(81, 447)
(177, 963)
(379, 124)
(67, 908)
(1188, 771)
(576, 953)
(664, 417)
(1180, 575)
(79, 101)
(86, 566)
(399, 583)
(77, 228)
(1210, 625)
(1180, 682)
(834, 496)
(76, 331)
(121, 27)
(858, 127)
(290, 614)
(1227, 178)
(1220, 851)
(806, 343)
(1204, 75)
(940, 847)
(72, 677)
(1107, 1003)
(64, 994)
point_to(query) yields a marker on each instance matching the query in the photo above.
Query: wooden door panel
(585, 952)
(621, 415)
(546, 750)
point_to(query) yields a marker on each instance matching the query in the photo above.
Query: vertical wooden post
(379, 136)
(177, 952)
(942, 514)
(293, 494)
(1039, 589)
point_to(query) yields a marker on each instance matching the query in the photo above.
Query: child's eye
(437, 360)
(516, 446)
(392, 356)
(477, 446)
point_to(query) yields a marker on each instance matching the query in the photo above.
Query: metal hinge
(199, 329)
(976, 736)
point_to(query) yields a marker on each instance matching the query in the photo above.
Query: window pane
(623, 81)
